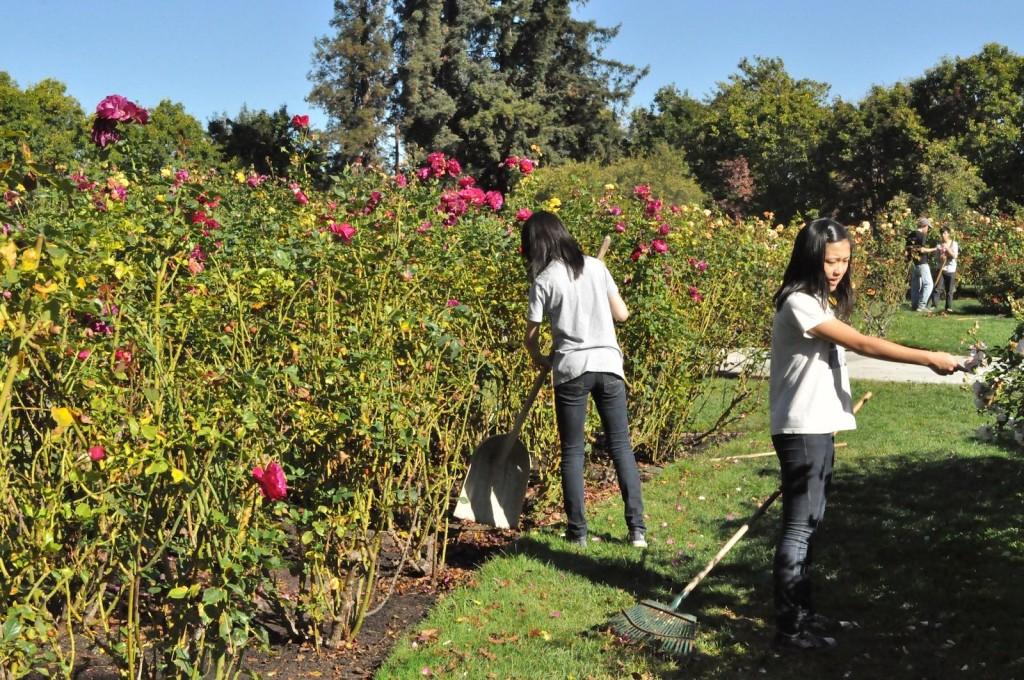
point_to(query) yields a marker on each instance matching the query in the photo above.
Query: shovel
(499, 469)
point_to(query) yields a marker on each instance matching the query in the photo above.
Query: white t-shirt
(951, 253)
(582, 328)
(809, 387)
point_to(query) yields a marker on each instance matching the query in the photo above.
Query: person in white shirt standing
(578, 294)
(809, 399)
(949, 253)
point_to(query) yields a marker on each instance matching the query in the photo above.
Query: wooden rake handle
(735, 538)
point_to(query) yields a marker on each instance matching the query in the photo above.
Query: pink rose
(620, 227)
(695, 294)
(525, 166)
(495, 200)
(659, 246)
(345, 230)
(117, 108)
(83, 354)
(97, 453)
(273, 484)
(452, 302)
(524, 214)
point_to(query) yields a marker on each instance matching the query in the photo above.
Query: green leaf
(178, 593)
(214, 595)
(157, 466)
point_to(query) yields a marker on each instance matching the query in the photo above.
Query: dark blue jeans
(806, 464)
(609, 393)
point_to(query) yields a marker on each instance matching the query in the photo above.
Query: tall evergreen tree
(483, 79)
(353, 78)
(423, 108)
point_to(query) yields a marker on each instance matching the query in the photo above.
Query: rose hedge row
(165, 335)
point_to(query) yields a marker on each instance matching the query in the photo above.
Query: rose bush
(991, 259)
(212, 379)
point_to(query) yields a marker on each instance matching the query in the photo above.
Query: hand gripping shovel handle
(740, 532)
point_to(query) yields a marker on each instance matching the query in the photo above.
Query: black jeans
(946, 285)
(806, 464)
(609, 392)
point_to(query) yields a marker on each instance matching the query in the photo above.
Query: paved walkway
(864, 368)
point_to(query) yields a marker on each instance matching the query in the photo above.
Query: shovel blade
(495, 484)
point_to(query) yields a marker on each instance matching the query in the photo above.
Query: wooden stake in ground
(763, 454)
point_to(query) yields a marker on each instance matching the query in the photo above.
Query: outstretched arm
(840, 333)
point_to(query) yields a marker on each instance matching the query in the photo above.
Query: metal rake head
(658, 625)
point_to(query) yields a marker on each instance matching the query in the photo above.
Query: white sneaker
(637, 539)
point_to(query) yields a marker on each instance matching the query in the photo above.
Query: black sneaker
(637, 538)
(580, 541)
(826, 625)
(804, 641)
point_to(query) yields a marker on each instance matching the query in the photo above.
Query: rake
(664, 626)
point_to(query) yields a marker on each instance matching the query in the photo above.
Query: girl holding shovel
(579, 296)
(809, 399)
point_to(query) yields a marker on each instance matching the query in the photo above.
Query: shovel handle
(542, 376)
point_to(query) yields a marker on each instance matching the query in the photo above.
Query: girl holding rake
(809, 400)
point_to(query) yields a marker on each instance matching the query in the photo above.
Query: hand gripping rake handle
(740, 532)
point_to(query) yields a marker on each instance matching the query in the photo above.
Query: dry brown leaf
(496, 639)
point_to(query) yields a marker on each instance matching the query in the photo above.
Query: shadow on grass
(925, 552)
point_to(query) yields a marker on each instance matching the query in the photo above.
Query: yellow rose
(47, 288)
(29, 260)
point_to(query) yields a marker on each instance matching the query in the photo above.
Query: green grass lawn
(950, 332)
(922, 545)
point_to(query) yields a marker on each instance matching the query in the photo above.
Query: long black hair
(806, 270)
(544, 239)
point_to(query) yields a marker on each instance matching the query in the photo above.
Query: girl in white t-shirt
(809, 399)
(949, 253)
(579, 296)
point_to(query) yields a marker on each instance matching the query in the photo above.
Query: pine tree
(353, 78)
(483, 79)
(423, 108)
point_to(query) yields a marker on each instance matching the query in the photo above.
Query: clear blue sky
(213, 56)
